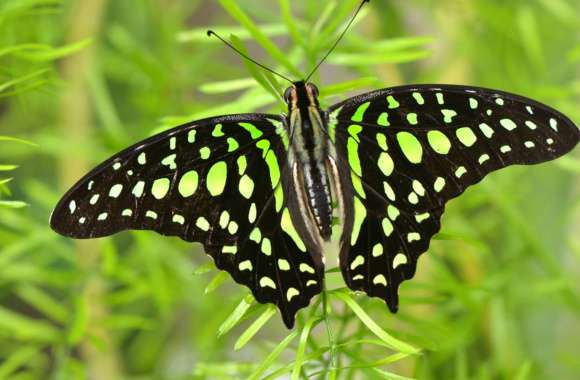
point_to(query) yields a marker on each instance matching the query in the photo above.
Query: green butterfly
(259, 190)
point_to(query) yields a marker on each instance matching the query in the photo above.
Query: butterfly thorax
(309, 153)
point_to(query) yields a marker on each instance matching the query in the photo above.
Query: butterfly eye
(287, 95)
(313, 89)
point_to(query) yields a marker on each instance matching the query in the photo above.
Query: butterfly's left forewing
(220, 181)
(404, 152)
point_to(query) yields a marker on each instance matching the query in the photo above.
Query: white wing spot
(224, 219)
(486, 130)
(102, 216)
(422, 217)
(127, 212)
(252, 213)
(267, 282)
(358, 261)
(393, 212)
(291, 293)
(142, 158)
(399, 259)
(283, 265)
(151, 214)
(380, 280)
(377, 250)
(508, 124)
(202, 224)
(72, 206)
(554, 124)
(387, 227)
(529, 144)
(473, 103)
(179, 219)
(170, 161)
(256, 235)
(305, 268)
(483, 158)
(115, 190)
(245, 265)
(138, 189)
(389, 192)
(505, 149)
(191, 136)
(266, 247)
(94, 199)
(413, 236)
(232, 249)
(439, 184)
(160, 188)
(531, 125)
(418, 187)
(232, 227)
(460, 171)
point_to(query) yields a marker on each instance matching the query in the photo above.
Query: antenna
(212, 33)
(338, 40)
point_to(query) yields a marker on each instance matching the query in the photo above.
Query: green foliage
(497, 296)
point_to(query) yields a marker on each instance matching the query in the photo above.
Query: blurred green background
(497, 296)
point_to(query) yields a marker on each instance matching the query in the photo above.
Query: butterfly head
(301, 94)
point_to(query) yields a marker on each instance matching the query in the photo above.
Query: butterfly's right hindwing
(216, 181)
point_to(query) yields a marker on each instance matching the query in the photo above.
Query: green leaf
(13, 204)
(200, 34)
(300, 352)
(16, 360)
(260, 75)
(341, 88)
(50, 53)
(255, 327)
(80, 319)
(5, 181)
(17, 140)
(361, 59)
(272, 356)
(26, 329)
(227, 86)
(205, 268)
(7, 168)
(24, 78)
(216, 281)
(373, 327)
(44, 302)
(236, 12)
(290, 23)
(236, 316)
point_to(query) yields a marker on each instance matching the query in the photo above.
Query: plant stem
(331, 343)
(85, 17)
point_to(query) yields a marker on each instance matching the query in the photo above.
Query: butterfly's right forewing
(217, 181)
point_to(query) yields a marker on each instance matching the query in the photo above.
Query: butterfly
(261, 192)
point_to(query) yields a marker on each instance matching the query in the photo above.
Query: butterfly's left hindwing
(216, 181)
(406, 151)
